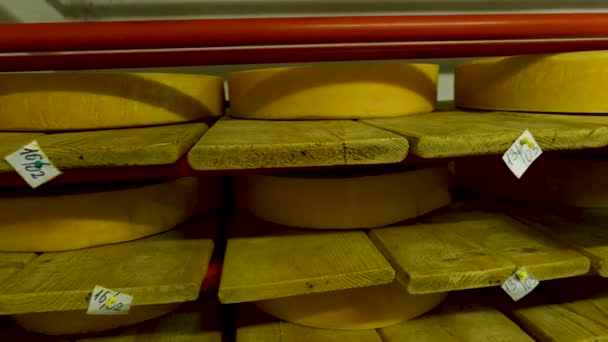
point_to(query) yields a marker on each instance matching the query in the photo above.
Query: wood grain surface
(263, 261)
(153, 271)
(460, 248)
(466, 133)
(567, 310)
(249, 144)
(157, 145)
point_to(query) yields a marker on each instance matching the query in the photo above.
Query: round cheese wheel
(558, 180)
(56, 222)
(562, 83)
(361, 308)
(78, 322)
(357, 91)
(77, 101)
(345, 201)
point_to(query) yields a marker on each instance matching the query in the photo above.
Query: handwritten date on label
(108, 302)
(522, 154)
(32, 164)
(518, 285)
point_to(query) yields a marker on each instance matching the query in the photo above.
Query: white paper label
(32, 164)
(522, 154)
(519, 284)
(108, 302)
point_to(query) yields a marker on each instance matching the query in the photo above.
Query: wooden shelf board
(254, 325)
(158, 145)
(11, 263)
(582, 229)
(465, 133)
(265, 261)
(572, 310)
(152, 270)
(232, 144)
(459, 248)
(462, 317)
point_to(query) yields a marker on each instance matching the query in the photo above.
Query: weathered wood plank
(568, 310)
(582, 229)
(464, 133)
(153, 271)
(250, 144)
(10, 142)
(462, 249)
(462, 317)
(265, 261)
(157, 145)
(11, 263)
(254, 325)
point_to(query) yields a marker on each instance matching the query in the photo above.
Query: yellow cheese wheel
(56, 222)
(76, 101)
(344, 201)
(564, 83)
(356, 91)
(558, 180)
(78, 322)
(361, 308)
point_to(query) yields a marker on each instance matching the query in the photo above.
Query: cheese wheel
(557, 180)
(78, 322)
(361, 308)
(357, 91)
(359, 200)
(77, 101)
(562, 83)
(41, 223)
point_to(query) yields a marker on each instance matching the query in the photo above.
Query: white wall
(107, 10)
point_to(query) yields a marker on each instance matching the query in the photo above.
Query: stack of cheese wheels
(81, 101)
(552, 180)
(74, 219)
(348, 200)
(342, 91)
(560, 83)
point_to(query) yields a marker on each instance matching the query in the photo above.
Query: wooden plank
(193, 322)
(153, 271)
(462, 317)
(157, 145)
(249, 144)
(10, 142)
(582, 229)
(254, 325)
(462, 133)
(460, 248)
(265, 261)
(11, 263)
(572, 310)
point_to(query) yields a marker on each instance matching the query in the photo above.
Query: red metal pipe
(286, 31)
(227, 56)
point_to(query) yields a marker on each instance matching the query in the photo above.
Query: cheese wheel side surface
(79, 101)
(365, 201)
(361, 308)
(559, 83)
(356, 91)
(81, 220)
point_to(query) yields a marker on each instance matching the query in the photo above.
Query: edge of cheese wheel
(78, 101)
(87, 219)
(556, 180)
(562, 83)
(361, 308)
(75, 322)
(364, 200)
(342, 91)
